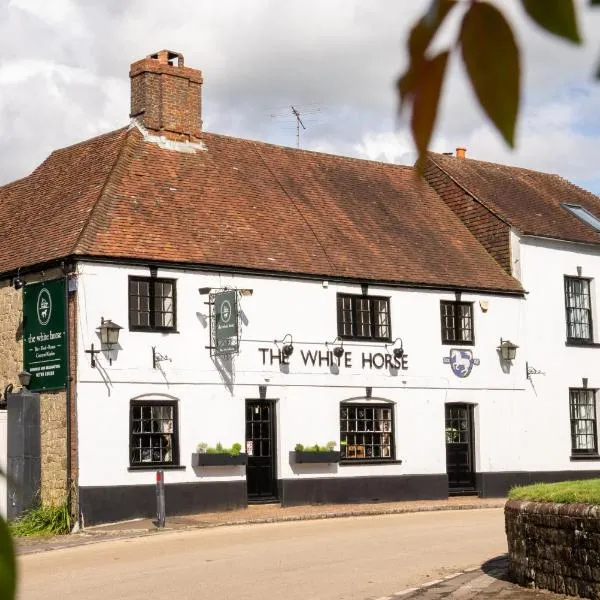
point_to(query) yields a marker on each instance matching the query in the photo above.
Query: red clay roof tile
(242, 204)
(527, 200)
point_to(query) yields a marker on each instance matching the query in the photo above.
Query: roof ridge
(495, 164)
(84, 228)
(306, 151)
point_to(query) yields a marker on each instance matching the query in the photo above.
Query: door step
(460, 492)
(263, 501)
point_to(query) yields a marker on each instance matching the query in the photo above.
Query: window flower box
(204, 459)
(303, 457)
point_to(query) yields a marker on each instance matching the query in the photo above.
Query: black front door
(459, 448)
(261, 447)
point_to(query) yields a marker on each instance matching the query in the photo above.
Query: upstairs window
(151, 304)
(457, 322)
(583, 421)
(363, 317)
(584, 215)
(579, 311)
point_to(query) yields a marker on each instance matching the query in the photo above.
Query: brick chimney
(461, 152)
(166, 97)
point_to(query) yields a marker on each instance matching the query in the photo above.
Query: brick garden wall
(554, 546)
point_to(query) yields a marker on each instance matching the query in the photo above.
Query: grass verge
(43, 520)
(563, 492)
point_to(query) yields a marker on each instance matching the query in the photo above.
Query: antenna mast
(298, 123)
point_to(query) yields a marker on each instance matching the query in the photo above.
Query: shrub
(235, 450)
(315, 448)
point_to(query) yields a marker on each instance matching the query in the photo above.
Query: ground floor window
(153, 433)
(366, 431)
(583, 421)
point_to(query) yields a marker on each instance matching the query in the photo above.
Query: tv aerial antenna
(298, 123)
(298, 112)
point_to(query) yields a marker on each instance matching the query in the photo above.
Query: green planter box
(315, 457)
(200, 459)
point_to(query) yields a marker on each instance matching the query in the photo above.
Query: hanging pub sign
(225, 327)
(45, 334)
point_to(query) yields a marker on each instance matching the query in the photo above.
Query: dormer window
(583, 215)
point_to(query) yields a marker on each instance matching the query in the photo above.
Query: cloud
(64, 77)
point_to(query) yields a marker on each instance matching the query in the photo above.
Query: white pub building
(222, 291)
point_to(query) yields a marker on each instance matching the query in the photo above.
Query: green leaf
(426, 100)
(8, 567)
(594, 2)
(427, 26)
(418, 41)
(556, 16)
(491, 58)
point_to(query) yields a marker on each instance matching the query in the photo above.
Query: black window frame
(575, 449)
(571, 324)
(354, 324)
(152, 281)
(457, 329)
(363, 456)
(174, 462)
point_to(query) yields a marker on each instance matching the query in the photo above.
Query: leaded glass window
(366, 431)
(153, 433)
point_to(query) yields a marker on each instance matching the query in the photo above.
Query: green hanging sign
(226, 322)
(45, 334)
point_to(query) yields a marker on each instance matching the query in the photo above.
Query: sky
(64, 68)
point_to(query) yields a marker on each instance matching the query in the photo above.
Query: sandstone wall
(53, 411)
(554, 546)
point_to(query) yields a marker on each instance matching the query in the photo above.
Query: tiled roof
(528, 200)
(42, 215)
(248, 205)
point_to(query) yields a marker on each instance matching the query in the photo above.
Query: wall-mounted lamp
(18, 282)
(508, 350)
(397, 351)
(288, 345)
(24, 379)
(109, 337)
(246, 292)
(204, 291)
(338, 351)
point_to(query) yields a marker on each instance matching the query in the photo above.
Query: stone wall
(554, 546)
(53, 413)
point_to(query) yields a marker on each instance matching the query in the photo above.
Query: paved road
(349, 559)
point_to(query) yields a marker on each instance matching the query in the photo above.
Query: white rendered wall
(308, 396)
(544, 263)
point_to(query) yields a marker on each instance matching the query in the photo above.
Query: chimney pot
(166, 96)
(461, 152)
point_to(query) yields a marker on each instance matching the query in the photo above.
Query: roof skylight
(584, 215)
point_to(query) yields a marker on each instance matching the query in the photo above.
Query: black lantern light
(338, 351)
(288, 345)
(508, 350)
(397, 351)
